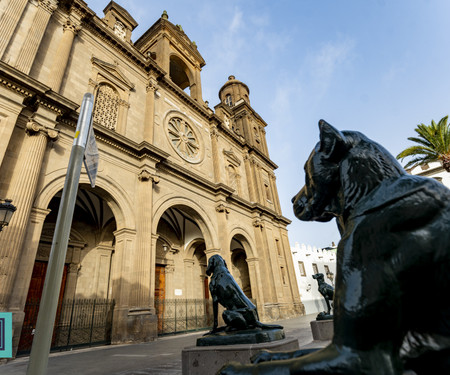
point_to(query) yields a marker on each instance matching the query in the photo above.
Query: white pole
(49, 301)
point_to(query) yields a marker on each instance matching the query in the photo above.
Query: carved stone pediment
(112, 72)
(232, 157)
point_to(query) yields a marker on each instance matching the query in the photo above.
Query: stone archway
(181, 285)
(87, 267)
(239, 266)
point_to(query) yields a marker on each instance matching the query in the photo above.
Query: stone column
(70, 30)
(122, 116)
(189, 279)
(22, 190)
(10, 108)
(9, 21)
(250, 179)
(152, 270)
(149, 122)
(275, 197)
(141, 295)
(215, 153)
(122, 264)
(255, 282)
(29, 49)
(259, 191)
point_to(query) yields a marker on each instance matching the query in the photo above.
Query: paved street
(154, 358)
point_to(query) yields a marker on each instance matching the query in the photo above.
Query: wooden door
(32, 304)
(160, 294)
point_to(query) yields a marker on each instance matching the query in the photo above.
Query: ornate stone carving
(107, 106)
(145, 175)
(69, 25)
(48, 5)
(232, 157)
(183, 139)
(258, 223)
(120, 30)
(222, 208)
(35, 128)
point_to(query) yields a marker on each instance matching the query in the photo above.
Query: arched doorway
(86, 277)
(181, 284)
(239, 267)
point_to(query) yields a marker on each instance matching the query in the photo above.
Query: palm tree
(432, 144)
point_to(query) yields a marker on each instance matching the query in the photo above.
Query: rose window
(183, 139)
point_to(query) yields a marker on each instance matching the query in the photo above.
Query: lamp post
(6, 211)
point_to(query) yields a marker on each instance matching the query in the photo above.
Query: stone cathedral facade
(178, 181)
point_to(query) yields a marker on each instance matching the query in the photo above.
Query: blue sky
(376, 66)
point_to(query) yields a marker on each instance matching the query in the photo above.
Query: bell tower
(175, 53)
(239, 116)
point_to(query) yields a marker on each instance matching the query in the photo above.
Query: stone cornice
(34, 91)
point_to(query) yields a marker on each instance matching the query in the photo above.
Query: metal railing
(79, 322)
(183, 315)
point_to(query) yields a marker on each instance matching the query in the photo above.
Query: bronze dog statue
(393, 262)
(327, 291)
(240, 312)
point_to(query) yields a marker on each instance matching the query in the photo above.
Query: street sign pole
(49, 301)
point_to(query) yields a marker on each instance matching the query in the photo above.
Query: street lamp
(6, 211)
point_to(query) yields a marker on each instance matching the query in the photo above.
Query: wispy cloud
(323, 64)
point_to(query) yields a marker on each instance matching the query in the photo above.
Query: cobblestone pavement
(160, 357)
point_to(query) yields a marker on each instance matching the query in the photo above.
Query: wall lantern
(6, 211)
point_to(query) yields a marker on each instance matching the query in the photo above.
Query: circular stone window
(183, 139)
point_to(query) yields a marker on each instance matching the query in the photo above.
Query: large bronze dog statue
(240, 312)
(391, 305)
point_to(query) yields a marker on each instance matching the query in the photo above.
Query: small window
(277, 242)
(106, 109)
(228, 100)
(267, 189)
(283, 275)
(315, 268)
(301, 267)
(327, 269)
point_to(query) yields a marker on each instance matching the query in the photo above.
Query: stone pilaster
(22, 190)
(250, 180)
(149, 122)
(255, 280)
(275, 197)
(140, 294)
(154, 238)
(70, 30)
(189, 279)
(33, 40)
(215, 153)
(10, 108)
(9, 22)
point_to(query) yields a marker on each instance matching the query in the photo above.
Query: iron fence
(79, 322)
(183, 315)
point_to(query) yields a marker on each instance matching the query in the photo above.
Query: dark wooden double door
(32, 304)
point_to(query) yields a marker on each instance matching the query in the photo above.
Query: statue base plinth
(322, 329)
(246, 336)
(207, 360)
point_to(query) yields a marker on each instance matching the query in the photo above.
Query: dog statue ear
(332, 142)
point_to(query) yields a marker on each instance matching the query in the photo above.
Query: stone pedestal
(322, 329)
(206, 360)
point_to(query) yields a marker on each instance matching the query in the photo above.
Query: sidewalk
(159, 357)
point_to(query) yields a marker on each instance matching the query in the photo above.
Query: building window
(301, 267)
(267, 190)
(228, 100)
(283, 275)
(183, 139)
(277, 242)
(106, 106)
(315, 268)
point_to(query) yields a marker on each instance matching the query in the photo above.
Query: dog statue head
(213, 262)
(318, 276)
(342, 169)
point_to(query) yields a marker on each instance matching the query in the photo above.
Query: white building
(433, 170)
(308, 261)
